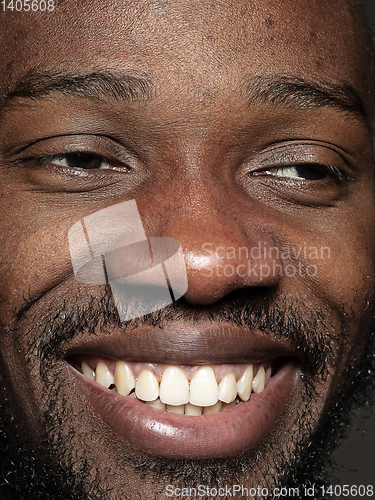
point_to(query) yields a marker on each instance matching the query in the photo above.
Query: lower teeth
(190, 409)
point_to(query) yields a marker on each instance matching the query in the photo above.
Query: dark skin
(207, 160)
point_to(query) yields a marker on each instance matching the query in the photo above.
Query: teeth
(102, 375)
(174, 387)
(86, 370)
(176, 409)
(228, 388)
(245, 383)
(124, 378)
(203, 397)
(210, 410)
(203, 387)
(268, 375)
(156, 404)
(258, 382)
(193, 410)
(147, 386)
(228, 406)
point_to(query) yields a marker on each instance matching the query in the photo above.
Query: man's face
(240, 130)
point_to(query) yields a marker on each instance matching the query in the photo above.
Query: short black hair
(368, 24)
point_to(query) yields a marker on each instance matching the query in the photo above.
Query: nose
(224, 248)
(222, 257)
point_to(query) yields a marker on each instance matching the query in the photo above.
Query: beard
(54, 471)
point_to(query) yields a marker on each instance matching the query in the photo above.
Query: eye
(84, 161)
(306, 172)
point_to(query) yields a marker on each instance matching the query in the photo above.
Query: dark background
(356, 456)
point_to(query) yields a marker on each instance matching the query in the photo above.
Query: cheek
(348, 274)
(34, 257)
(332, 252)
(347, 282)
(338, 245)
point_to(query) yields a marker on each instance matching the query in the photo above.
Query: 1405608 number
(28, 5)
(348, 491)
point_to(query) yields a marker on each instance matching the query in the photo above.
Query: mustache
(279, 316)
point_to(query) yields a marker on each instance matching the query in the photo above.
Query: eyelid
(301, 152)
(108, 148)
(48, 159)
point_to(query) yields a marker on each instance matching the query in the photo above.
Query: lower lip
(168, 435)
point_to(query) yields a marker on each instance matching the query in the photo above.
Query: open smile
(185, 390)
(188, 411)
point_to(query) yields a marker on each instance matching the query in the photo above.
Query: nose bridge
(223, 249)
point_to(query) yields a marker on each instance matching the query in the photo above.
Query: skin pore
(203, 113)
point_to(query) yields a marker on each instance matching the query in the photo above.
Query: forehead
(191, 44)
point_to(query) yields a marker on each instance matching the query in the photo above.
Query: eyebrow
(298, 93)
(277, 90)
(97, 85)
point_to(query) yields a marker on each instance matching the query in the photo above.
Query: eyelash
(54, 159)
(326, 170)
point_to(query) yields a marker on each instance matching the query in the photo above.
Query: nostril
(213, 272)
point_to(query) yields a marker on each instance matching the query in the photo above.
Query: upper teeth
(204, 390)
(147, 386)
(202, 395)
(174, 387)
(124, 379)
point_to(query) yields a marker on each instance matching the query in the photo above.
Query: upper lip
(178, 343)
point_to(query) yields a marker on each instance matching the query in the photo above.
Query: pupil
(83, 160)
(311, 172)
